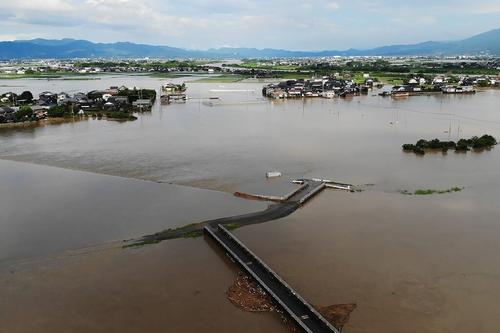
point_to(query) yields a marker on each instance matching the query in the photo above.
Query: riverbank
(62, 120)
(41, 122)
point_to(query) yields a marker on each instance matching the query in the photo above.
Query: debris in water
(246, 294)
(338, 314)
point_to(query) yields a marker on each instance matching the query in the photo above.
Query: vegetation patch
(463, 145)
(141, 243)
(224, 78)
(120, 115)
(431, 191)
(231, 226)
(193, 234)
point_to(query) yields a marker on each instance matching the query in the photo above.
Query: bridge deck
(304, 315)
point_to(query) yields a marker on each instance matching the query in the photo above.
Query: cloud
(291, 24)
(488, 8)
(333, 6)
(40, 5)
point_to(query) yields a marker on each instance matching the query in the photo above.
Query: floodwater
(46, 210)
(232, 142)
(411, 263)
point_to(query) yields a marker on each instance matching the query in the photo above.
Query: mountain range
(484, 43)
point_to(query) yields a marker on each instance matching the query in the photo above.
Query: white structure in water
(273, 174)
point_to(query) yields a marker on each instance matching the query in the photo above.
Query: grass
(141, 243)
(79, 78)
(193, 234)
(231, 226)
(172, 75)
(163, 235)
(268, 66)
(224, 78)
(293, 75)
(431, 191)
(53, 75)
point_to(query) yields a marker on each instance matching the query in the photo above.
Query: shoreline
(41, 122)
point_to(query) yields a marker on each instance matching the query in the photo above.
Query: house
(39, 112)
(47, 98)
(109, 106)
(6, 114)
(118, 100)
(439, 81)
(369, 82)
(413, 81)
(141, 103)
(63, 98)
(328, 94)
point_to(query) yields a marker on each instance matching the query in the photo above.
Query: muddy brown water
(410, 263)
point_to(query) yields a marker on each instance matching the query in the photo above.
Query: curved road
(273, 212)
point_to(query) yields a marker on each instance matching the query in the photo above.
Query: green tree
(58, 111)
(24, 113)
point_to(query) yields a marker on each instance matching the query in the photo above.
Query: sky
(286, 24)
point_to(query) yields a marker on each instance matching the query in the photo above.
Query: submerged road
(273, 212)
(302, 313)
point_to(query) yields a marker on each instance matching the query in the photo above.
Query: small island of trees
(462, 145)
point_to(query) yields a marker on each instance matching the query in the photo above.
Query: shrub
(24, 113)
(58, 111)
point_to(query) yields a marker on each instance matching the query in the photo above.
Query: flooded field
(47, 209)
(410, 263)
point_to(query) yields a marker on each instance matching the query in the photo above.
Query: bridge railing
(275, 276)
(309, 195)
(258, 279)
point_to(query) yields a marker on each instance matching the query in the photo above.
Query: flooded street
(411, 263)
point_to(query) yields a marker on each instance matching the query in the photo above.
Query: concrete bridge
(303, 314)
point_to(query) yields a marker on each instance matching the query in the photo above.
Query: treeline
(412, 67)
(142, 64)
(462, 145)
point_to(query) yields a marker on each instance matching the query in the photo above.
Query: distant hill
(484, 43)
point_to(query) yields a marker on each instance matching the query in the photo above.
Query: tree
(58, 111)
(27, 96)
(24, 113)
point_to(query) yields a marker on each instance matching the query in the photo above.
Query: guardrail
(309, 195)
(297, 190)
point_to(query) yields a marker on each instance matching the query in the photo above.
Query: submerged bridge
(303, 314)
